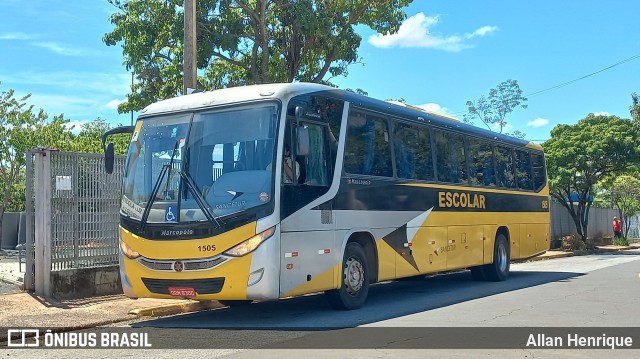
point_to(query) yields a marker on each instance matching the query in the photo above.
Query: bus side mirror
(109, 158)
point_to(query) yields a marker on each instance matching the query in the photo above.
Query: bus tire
(235, 303)
(498, 271)
(354, 286)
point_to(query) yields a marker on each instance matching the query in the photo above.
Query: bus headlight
(250, 244)
(128, 251)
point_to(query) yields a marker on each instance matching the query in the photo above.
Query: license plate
(184, 292)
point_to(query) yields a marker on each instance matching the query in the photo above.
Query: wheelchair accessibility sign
(170, 214)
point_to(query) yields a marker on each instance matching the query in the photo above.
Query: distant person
(617, 228)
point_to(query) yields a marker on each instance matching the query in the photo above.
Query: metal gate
(72, 214)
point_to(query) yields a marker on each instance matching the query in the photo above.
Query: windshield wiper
(156, 187)
(198, 197)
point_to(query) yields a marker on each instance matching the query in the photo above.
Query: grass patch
(620, 242)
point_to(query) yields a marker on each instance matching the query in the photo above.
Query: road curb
(175, 308)
(551, 256)
(597, 250)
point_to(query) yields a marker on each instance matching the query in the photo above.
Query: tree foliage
(493, 109)
(89, 139)
(21, 129)
(635, 108)
(625, 194)
(581, 155)
(243, 41)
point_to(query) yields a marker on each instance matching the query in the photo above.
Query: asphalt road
(587, 291)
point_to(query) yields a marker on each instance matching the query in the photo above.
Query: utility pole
(132, 75)
(189, 67)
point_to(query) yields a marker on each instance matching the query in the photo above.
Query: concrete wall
(600, 220)
(85, 282)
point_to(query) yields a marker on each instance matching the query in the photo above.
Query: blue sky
(446, 53)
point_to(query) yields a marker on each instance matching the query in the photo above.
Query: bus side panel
(308, 262)
(386, 261)
(534, 239)
(514, 236)
(464, 246)
(433, 258)
(489, 241)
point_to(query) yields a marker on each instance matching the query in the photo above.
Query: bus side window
(413, 151)
(523, 170)
(450, 157)
(504, 163)
(369, 151)
(406, 143)
(482, 168)
(539, 176)
(313, 168)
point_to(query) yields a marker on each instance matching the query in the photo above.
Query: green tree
(243, 41)
(22, 129)
(493, 109)
(581, 155)
(635, 108)
(625, 193)
(89, 140)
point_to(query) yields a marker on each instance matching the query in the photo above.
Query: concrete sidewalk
(22, 309)
(551, 254)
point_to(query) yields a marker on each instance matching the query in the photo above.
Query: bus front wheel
(355, 280)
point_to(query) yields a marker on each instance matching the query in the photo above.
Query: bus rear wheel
(355, 280)
(498, 271)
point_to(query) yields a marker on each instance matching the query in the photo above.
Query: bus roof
(202, 100)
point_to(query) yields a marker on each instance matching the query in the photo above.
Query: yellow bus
(270, 191)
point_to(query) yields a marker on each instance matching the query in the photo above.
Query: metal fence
(599, 225)
(633, 224)
(72, 211)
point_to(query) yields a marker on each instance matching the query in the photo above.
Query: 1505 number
(207, 248)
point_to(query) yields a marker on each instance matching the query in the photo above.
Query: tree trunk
(576, 212)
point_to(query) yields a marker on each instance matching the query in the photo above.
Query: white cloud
(482, 31)
(57, 104)
(414, 32)
(113, 104)
(435, 108)
(96, 82)
(82, 96)
(14, 36)
(62, 49)
(538, 122)
(603, 113)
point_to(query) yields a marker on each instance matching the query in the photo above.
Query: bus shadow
(386, 300)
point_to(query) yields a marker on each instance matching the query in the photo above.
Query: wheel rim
(502, 258)
(353, 276)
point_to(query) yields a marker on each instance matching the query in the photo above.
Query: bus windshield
(190, 166)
